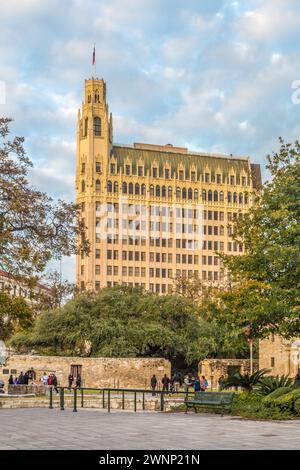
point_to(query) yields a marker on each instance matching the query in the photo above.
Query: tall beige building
(153, 212)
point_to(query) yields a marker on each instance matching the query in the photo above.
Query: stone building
(16, 288)
(153, 212)
(95, 372)
(280, 356)
(213, 369)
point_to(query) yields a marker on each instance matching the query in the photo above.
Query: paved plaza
(97, 429)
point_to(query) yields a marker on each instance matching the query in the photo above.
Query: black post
(51, 399)
(108, 403)
(161, 401)
(103, 398)
(134, 401)
(62, 398)
(143, 401)
(123, 400)
(82, 398)
(75, 400)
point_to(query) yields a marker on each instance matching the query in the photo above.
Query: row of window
(182, 175)
(163, 273)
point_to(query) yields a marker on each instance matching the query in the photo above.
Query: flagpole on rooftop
(94, 60)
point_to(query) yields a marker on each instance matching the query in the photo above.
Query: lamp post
(250, 341)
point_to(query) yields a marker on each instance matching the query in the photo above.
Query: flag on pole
(94, 56)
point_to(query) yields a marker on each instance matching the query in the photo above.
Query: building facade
(280, 356)
(16, 288)
(153, 212)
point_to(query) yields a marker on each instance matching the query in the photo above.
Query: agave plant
(271, 383)
(245, 381)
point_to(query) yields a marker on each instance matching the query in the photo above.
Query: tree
(55, 291)
(266, 289)
(15, 315)
(122, 322)
(33, 227)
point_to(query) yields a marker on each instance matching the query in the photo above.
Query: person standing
(220, 381)
(203, 383)
(78, 381)
(54, 382)
(70, 380)
(26, 378)
(176, 383)
(153, 384)
(165, 382)
(197, 384)
(11, 380)
(45, 379)
(21, 379)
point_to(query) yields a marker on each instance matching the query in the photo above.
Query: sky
(211, 75)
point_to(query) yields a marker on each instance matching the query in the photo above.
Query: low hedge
(269, 400)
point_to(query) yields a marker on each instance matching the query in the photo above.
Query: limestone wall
(96, 372)
(213, 369)
(280, 356)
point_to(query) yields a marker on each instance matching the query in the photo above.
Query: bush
(287, 401)
(297, 406)
(270, 399)
(251, 405)
(269, 384)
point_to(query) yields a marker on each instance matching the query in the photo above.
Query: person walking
(165, 382)
(78, 381)
(153, 385)
(220, 381)
(176, 383)
(21, 379)
(54, 382)
(70, 380)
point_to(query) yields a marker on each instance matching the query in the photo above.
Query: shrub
(287, 401)
(246, 381)
(269, 384)
(270, 399)
(297, 406)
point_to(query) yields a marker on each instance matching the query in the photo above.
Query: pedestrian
(176, 383)
(50, 379)
(78, 381)
(197, 384)
(220, 381)
(26, 378)
(165, 382)
(45, 379)
(186, 383)
(21, 379)
(11, 380)
(70, 380)
(153, 384)
(54, 382)
(203, 383)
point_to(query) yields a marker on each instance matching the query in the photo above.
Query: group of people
(176, 382)
(22, 379)
(75, 380)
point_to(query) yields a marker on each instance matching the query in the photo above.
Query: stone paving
(97, 429)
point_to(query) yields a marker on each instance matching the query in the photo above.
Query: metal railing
(108, 393)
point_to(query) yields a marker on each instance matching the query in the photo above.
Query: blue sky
(210, 75)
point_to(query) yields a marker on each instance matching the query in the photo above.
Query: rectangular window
(112, 168)
(97, 254)
(97, 269)
(98, 167)
(140, 170)
(127, 170)
(272, 361)
(154, 172)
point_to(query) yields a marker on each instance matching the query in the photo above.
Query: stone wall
(96, 372)
(282, 357)
(213, 369)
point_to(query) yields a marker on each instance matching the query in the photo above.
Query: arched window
(116, 187)
(196, 193)
(241, 198)
(98, 185)
(178, 193)
(86, 126)
(97, 126)
(216, 196)
(130, 188)
(203, 194)
(183, 193)
(89, 98)
(157, 191)
(170, 191)
(163, 191)
(137, 188)
(229, 196)
(151, 190)
(124, 188)
(97, 100)
(235, 197)
(221, 196)
(190, 194)
(143, 192)
(109, 186)
(246, 199)
(210, 195)
(82, 186)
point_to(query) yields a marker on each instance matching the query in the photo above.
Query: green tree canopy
(122, 322)
(15, 315)
(266, 290)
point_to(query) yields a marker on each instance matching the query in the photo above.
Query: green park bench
(210, 399)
